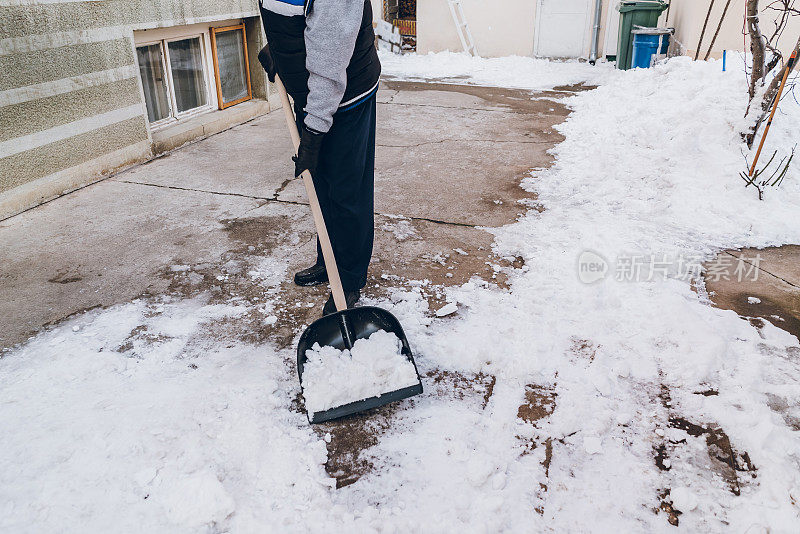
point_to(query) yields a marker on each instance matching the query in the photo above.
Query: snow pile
(140, 421)
(136, 419)
(649, 169)
(374, 366)
(512, 71)
(447, 309)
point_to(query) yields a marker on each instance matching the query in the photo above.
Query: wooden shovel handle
(316, 211)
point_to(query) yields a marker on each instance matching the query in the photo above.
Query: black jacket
(285, 35)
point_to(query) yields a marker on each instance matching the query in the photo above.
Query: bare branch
(772, 89)
(761, 98)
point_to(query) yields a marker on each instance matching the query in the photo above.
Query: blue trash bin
(648, 42)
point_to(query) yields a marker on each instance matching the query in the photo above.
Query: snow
(447, 309)
(141, 420)
(649, 168)
(400, 226)
(592, 444)
(683, 499)
(375, 365)
(101, 436)
(197, 500)
(511, 71)
(753, 300)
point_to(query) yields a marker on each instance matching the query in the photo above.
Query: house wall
(71, 102)
(687, 17)
(377, 10)
(500, 28)
(505, 27)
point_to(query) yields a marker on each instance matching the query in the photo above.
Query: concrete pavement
(224, 218)
(769, 289)
(449, 158)
(203, 219)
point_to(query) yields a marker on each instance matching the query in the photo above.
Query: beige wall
(377, 10)
(500, 27)
(504, 27)
(687, 17)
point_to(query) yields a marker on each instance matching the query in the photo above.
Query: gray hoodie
(330, 36)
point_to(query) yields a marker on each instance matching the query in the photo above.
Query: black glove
(265, 58)
(308, 153)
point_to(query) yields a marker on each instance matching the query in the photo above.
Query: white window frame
(168, 81)
(162, 38)
(208, 77)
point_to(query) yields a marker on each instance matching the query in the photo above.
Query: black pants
(345, 187)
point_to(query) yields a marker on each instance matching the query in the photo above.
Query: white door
(612, 29)
(562, 28)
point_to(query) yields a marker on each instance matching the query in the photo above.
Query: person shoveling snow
(375, 365)
(333, 86)
(324, 53)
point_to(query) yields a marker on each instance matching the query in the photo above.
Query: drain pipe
(598, 13)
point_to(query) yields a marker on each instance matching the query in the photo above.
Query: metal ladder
(461, 27)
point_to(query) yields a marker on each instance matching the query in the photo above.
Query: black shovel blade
(356, 323)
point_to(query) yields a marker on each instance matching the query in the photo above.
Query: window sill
(174, 135)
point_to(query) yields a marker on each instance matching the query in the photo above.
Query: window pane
(232, 65)
(186, 63)
(151, 70)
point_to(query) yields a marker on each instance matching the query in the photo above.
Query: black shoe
(313, 276)
(351, 297)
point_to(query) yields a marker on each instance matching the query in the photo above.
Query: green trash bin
(632, 13)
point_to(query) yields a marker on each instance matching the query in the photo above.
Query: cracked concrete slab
(782, 262)
(400, 125)
(101, 246)
(770, 292)
(224, 218)
(470, 197)
(479, 97)
(252, 159)
(113, 241)
(432, 158)
(446, 159)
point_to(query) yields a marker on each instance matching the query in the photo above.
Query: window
(186, 70)
(174, 78)
(188, 75)
(229, 49)
(151, 61)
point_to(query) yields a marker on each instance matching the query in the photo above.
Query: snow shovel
(341, 329)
